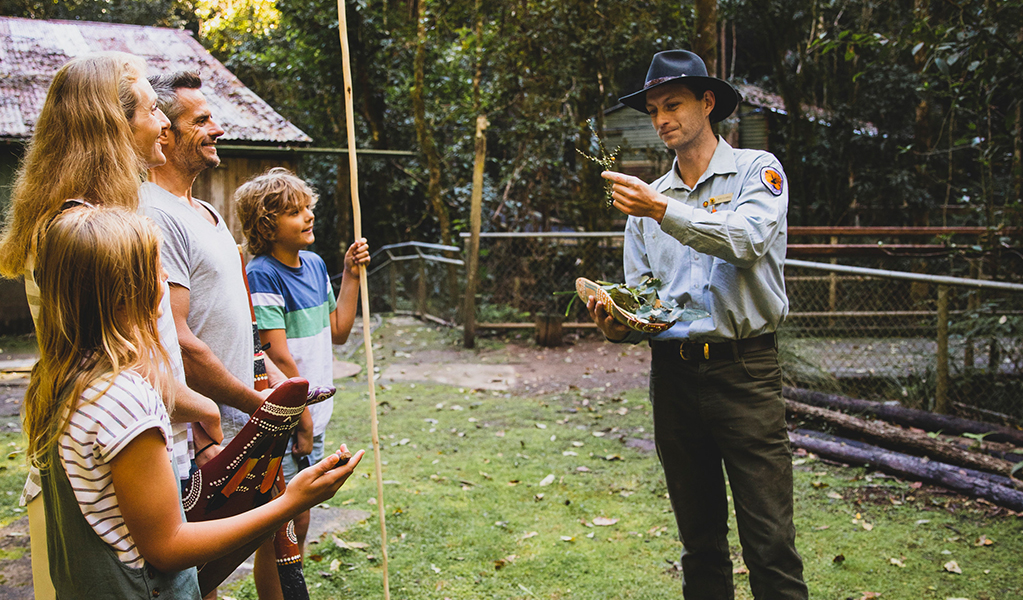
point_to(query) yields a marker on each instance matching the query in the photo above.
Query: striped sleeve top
(184, 450)
(101, 426)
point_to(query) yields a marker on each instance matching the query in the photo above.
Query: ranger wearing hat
(713, 230)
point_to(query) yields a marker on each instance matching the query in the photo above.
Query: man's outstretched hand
(634, 197)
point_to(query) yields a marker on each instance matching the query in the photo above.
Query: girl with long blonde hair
(99, 431)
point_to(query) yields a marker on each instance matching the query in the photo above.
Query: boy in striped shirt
(296, 311)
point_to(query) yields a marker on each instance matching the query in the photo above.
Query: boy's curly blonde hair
(261, 199)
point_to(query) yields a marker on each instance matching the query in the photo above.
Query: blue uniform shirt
(720, 247)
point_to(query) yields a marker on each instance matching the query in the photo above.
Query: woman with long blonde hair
(97, 427)
(98, 132)
(84, 147)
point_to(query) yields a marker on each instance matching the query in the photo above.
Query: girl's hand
(321, 481)
(357, 254)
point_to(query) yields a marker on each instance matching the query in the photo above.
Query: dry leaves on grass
(503, 562)
(953, 567)
(604, 521)
(343, 545)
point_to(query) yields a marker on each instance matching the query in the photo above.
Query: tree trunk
(903, 439)
(780, 31)
(475, 213)
(902, 465)
(429, 148)
(922, 124)
(1017, 147)
(423, 133)
(906, 417)
(706, 44)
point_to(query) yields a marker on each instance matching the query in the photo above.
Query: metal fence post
(941, 403)
(393, 272)
(422, 287)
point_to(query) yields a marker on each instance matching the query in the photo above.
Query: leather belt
(722, 350)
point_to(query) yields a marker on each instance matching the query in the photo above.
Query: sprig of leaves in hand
(606, 162)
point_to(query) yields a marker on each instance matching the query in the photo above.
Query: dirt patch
(16, 572)
(513, 363)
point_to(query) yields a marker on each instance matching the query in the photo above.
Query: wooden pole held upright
(363, 283)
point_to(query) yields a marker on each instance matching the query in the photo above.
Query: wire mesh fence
(864, 336)
(879, 337)
(419, 278)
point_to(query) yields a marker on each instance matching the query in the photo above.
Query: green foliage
(13, 471)
(940, 82)
(546, 67)
(164, 13)
(501, 313)
(643, 302)
(896, 112)
(997, 327)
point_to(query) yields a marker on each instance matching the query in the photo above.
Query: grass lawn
(519, 496)
(490, 495)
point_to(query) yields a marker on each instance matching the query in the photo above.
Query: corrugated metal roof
(31, 52)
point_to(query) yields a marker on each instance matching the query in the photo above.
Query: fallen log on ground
(993, 478)
(904, 439)
(982, 414)
(997, 449)
(911, 467)
(908, 417)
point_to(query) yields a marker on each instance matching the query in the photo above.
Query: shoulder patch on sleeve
(772, 179)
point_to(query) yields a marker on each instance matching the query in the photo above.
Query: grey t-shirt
(204, 259)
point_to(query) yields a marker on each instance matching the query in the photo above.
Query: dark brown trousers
(727, 411)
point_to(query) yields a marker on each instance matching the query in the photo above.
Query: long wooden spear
(353, 167)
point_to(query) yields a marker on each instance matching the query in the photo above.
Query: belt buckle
(685, 356)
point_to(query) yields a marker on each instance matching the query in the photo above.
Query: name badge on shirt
(711, 204)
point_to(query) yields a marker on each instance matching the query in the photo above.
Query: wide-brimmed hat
(684, 66)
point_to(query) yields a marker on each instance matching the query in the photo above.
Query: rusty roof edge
(271, 126)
